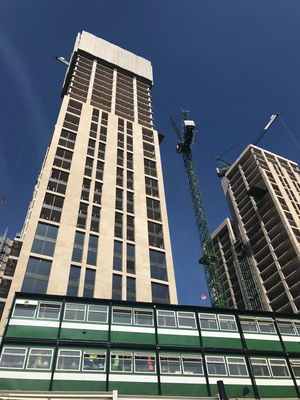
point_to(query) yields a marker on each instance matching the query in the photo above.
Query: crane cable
(290, 133)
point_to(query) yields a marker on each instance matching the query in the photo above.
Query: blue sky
(232, 63)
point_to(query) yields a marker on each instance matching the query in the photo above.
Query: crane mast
(209, 259)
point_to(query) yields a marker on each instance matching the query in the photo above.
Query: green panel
(179, 340)
(263, 345)
(133, 337)
(222, 343)
(83, 334)
(292, 346)
(171, 389)
(273, 392)
(38, 332)
(134, 388)
(79, 386)
(24, 384)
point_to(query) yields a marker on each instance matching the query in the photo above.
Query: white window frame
(297, 364)
(97, 352)
(121, 353)
(230, 318)
(212, 316)
(266, 320)
(75, 320)
(242, 361)
(191, 357)
(170, 356)
(186, 316)
(125, 309)
(296, 323)
(97, 322)
(266, 364)
(287, 322)
(49, 303)
(27, 303)
(70, 369)
(250, 319)
(146, 310)
(170, 312)
(45, 369)
(21, 348)
(152, 355)
(283, 363)
(216, 362)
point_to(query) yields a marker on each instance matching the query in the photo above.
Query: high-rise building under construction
(259, 250)
(97, 224)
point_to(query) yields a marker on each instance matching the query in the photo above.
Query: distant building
(97, 224)
(259, 250)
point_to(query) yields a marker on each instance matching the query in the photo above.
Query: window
(88, 166)
(78, 247)
(98, 192)
(121, 362)
(121, 140)
(74, 107)
(101, 151)
(103, 133)
(147, 135)
(91, 147)
(153, 209)
(67, 139)
(144, 363)
(122, 316)
(13, 357)
(117, 287)
(58, 181)
(130, 260)
(297, 326)
(95, 219)
(227, 323)
(266, 325)
(143, 317)
(95, 116)
(120, 157)
(118, 225)
(150, 167)
(129, 143)
(40, 359)
(63, 158)
(85, 193)
(74, 278)
(117, 261)
(119, 199)
(69, 360)
(89, 283)
(148, 150)
(99, 170)
(248, 324)
(151, 187)
(170, 364)
(131, 295)
(82, 216)
(130, 180)
(93, 361)
(93, 130)
(129, 160)
(296, 367)
(186, 320)
(97, 314)
(104, 119)
(192, 365)
(166, 318)
(45, 239)
(208, 321)
(237, 366)
(74, 312)
(52, 207)
(26, 309)
(48, 311)
(71, 122)
(260, 367)
(130, 202)
(130, 228)
(158, 265)
(129, 128)
(216, 366)
(36, 276)
(92, 250)
(286, 327)
(119, 181)
(155, 235)
(279, 368)
(120, 125)
(160, 293)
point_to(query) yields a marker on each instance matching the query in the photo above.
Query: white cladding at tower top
(114, 54)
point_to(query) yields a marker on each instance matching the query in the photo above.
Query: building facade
(66, 344)
(259, 249)
(97, 224)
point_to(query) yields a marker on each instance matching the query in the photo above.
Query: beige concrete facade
(106, 114)
(263, 193)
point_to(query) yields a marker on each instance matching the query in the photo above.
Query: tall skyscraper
(97, 224)
(259, 250)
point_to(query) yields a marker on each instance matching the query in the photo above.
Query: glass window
(145, 363)
(192, 365)
(58, 181)
(97, 314)
(227, 323)
(237, 366)
(266, 325)
(74, 312)
(74, 278)
(208, 321)
(170, 364)
(69, 360)
(78, 246)
(158, 265)
(130, 260)
(117, 260)
(40, 359)
(89, 283)
(121, 362)
(260, 367)
(248, 324)
(279, 368)
(92, 250)
(286, 327)
(143, 317)
(24, 310)
(94, 361)
(117, 287)
(155, 235)
(49, 311)
(216, 366)
(13, 357)
(45, 239)
(296, 367)
(118, 225)
(36, 276)
(166, 318)
(122, 316)
(186, 320)
(131, 293)
(297, 326)
(160, 293)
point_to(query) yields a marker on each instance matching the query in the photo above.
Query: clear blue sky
(232, 63)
